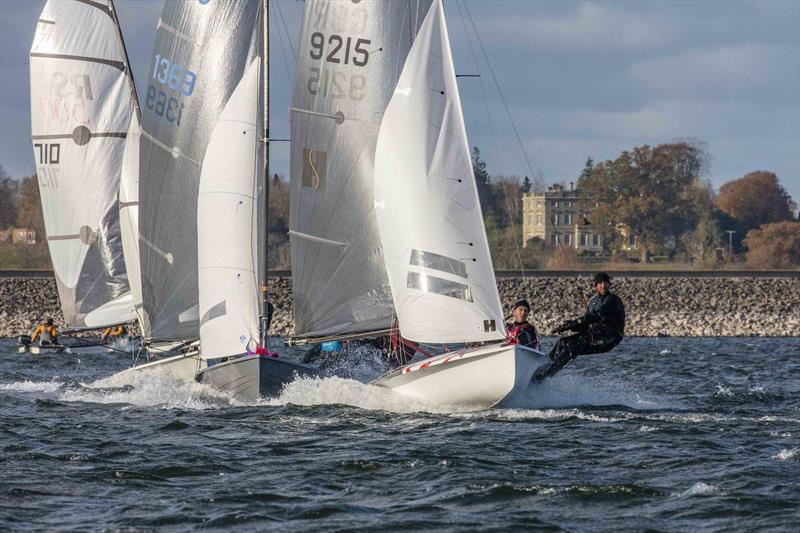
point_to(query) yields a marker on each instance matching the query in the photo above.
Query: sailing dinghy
(82, 100)
(385, 222)
(202, 158)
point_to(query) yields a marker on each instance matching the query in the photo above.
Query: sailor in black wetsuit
(520, 331)
(598, 331)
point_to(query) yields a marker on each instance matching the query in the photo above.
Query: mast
(129, 70)
(265, 76)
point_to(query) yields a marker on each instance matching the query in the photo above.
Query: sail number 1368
(346, 50)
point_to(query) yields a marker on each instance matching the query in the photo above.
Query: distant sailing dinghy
(82, 100)
(386, 221)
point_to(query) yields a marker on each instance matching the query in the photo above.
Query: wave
(341, 391)
(787, 455)
(699, 489)
(32, 386)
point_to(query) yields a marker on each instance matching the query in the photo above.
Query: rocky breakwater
(675, 306)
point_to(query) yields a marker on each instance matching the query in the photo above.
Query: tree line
(658, 192)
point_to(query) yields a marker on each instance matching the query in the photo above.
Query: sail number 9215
(346, 50)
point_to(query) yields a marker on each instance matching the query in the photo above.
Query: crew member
(48, 332)
(520, 331)
(112, 332)
(598, 331)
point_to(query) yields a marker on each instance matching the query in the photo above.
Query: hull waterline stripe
(317, 239)
(110, 62)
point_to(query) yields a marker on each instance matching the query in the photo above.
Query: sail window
(438, 262)
(426, 283)
(216, 311)
(314, 168)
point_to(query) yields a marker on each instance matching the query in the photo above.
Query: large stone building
(554, 217)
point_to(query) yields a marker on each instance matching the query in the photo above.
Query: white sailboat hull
(474, 378)
(182, 367)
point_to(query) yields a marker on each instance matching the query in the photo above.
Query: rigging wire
(491, 126)
(286, 31)
(283, 46)
(516, 133)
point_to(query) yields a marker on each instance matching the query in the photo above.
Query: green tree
(526, 185)
(483, 181)
(775, 245)
(30, 207)
(657, 192)
(753, 200)
(586, 173)
(8, 200)
(703, 244)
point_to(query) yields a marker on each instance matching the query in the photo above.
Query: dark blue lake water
(662, 434)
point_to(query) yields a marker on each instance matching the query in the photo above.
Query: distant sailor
(113, 332)
(598, 331)
(47, 334)
(520, 331)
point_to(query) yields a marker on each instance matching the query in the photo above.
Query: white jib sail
(228, 291)
(129, 217)
(81, 106)
(430, 220)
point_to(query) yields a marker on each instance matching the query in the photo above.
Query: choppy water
(662, 434)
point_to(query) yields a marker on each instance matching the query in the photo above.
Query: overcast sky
(580, 78)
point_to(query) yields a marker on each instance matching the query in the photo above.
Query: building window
(539, 220)
(554, 218)
(553, 239)
(554, 203)
(568, 239)
(583, 239)
(567, 218)
(568, 204)
(595, 240)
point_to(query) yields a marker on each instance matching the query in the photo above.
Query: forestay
(226, 224)
(430, 220)
(81, 104)
(349, 59)
(201, 51)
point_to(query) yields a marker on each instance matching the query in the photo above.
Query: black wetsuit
(523, 334)
(598, 331)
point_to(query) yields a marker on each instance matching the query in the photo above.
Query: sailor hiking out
(46, 333)
(598, 331)
(520, 331)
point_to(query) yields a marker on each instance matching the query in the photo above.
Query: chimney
(571, 187)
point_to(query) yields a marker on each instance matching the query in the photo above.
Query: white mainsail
(349, 59)
(429, 215)
(226, 223)
(81, 104)
(200, 53)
